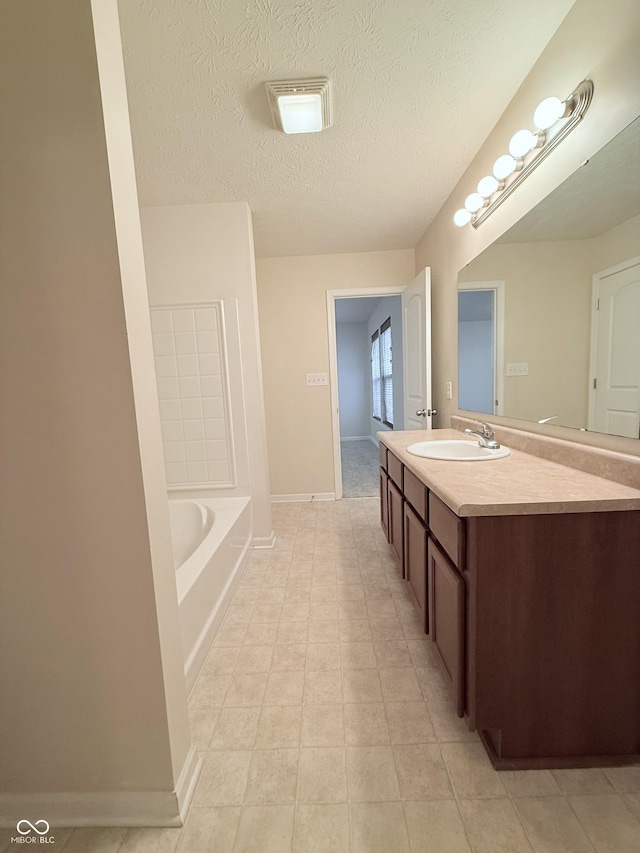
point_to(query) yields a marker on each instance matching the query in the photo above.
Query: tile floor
(360, 467)
(325, 725)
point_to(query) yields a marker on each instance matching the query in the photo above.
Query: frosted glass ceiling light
(504, 166)
(488, 186)
(300, 106)
(462, 217)
(522, 142)
(527, 149)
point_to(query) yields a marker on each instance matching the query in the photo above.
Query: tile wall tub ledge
(211, 542)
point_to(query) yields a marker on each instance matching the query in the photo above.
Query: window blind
(376, 378)
(386, 369)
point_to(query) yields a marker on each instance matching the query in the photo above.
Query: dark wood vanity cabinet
(415, 561)
(396, 525)
(447, 621)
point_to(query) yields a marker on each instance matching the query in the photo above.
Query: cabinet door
(396, 524)
(447, 620)
(415, 560)
(384, 502)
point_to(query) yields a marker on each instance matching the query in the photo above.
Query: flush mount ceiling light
(553, 119)
(300, 106)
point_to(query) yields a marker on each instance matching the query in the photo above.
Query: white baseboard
(374, 441)
(322, 496)
(187, 782)
(355, 438)
(264, 542)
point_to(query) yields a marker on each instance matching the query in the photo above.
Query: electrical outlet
(518, 368)
(317, 379)
(449, 390)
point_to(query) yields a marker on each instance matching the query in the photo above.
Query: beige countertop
(518, 484)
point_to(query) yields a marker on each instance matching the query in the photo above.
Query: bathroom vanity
(526, 575)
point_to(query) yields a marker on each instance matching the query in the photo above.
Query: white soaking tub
(211, 539)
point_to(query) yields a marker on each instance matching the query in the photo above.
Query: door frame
(498, 339)
(332, 295)
(593, 342)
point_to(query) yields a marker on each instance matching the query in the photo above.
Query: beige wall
(292, 305)
(93, 689)
(597, 40)
(616, 246)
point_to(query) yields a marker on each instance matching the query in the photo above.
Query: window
(382, 374)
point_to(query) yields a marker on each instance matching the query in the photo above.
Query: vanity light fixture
(300, 106)
(553, 119)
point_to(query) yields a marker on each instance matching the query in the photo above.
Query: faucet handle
(487, 432)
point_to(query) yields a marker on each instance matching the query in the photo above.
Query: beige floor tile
(471, 772)
(448, 725)
(271, 595)
(323, 775)
(530, 783)
(372, 774)
(236, 729)
(151, 840)
(378, 828)
(421, 652)
(275, 578)
(409, 722)
(377, 590)
(392, 654)
(355, 630)
(366, 724)
(284, 688)
(210, 830)
(579, 781)
(436, 827)
(323, 656)
(202, 723)
(494, 827)
(265, 829)
(626, 780)
(350, 592)
(209, 691)
(322, 725)
(608, 822)
(273, 776)
(352, 611)
(221, 659)
(387, 629)
(322, 687)
(412, 626)
(292, 632)
(246, 689)
(361, 685)
(231, 635)
(295, 611)
(296, 592)
(433, 685)
(324, 630)
(223, 779)
(279, 727)
(321, 593)
(261, 634)
(551, 825)
(381, 608)
(239, 614)
(421, 772)
(91, 840)
(254, 659)
(633, 803)
(322, 828)
(400, 685)
(358, 655)
(323, 611)
(288, 657)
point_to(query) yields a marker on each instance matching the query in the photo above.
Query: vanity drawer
(416, 493)
(448, 529)
(394, 468)
(383, 456)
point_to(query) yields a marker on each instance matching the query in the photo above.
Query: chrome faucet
(486, 437)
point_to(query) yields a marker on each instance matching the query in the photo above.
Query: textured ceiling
(417, 85)
(603, 193)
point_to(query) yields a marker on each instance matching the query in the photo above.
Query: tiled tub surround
(190, 353)
(325, 725)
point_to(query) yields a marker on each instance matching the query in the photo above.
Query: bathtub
(211, 540)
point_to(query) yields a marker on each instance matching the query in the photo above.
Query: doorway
(481, 346)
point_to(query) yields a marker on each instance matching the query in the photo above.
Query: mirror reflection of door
(478, 347)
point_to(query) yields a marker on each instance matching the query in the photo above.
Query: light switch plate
(449, 390)
(317, 379)
(518, 368)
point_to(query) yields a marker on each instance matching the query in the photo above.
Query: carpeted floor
(359, 469)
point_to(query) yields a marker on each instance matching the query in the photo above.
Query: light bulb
(522, 142)
(548, 112)
(488, 186)
(462, 217)
(504, 166)
(474, 202)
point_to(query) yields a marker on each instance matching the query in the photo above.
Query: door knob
(423, 413)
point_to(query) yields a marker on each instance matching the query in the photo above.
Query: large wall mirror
(549, 315)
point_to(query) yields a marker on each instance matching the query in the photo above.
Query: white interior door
(616, 388)
(416, 336)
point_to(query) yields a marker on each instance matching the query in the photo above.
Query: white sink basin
(456, 450)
